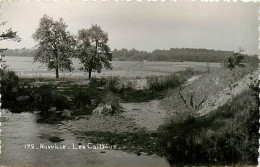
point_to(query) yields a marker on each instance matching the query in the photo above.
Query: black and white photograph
(141, 83)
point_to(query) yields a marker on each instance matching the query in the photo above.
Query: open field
(25, 67)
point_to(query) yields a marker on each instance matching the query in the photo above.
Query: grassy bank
(228, 135)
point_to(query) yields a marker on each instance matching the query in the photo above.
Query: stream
(18, 130)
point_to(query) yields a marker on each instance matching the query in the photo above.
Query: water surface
(21, 129)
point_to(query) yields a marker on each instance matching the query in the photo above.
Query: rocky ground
(205, 90)
(138, 117)
(96, 122)
(149, 115)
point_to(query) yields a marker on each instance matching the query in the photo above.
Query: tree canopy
(92, 49)
(56, 45)
(7, 35)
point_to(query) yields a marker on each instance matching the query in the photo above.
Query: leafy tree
(56, 45)
(232, 62)
(93, 51)
(8, 78)
(7, 35)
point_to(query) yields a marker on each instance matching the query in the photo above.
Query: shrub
(116, 107)
(9, 91)
(46, 98)
(82, 103)
(111, 83)
(113, 101)
(160, 83)
(188, 142)
(97, 82)
(9, 81)
(189, 70)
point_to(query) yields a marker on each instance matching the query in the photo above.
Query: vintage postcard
(129, 83)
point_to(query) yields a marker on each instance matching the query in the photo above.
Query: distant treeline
(24, 52)
(173, 54)
(176, 54)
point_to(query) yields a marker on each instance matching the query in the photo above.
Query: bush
(116, 107)
(190, 142)
(189, 70)
(82, 103)
(10, 91)
(160, 83)
(9, 82)
(46, 98)
(97, 82)
(112, 100)
(111, 83)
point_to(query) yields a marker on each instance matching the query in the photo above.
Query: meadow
(25, 67)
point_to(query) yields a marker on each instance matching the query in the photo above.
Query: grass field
(25, 67)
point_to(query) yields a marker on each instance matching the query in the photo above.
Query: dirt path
(224, 96)
(148, 115)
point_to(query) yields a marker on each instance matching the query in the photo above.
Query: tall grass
(173, 80)
(160, 83)
(213, 139)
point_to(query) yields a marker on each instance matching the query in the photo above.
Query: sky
(143, 25)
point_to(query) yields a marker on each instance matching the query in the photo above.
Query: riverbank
(115, 130)
(140, 118)
(138, 129)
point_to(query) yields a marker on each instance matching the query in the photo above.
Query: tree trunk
(57, 73)
(89, 74)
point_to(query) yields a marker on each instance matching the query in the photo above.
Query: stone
(22, 98)
(108, 107)
(102, 109)
(66, 113)
(56, 139)
(100, 88)
(53, 109)
(99, 109)
(144, 153)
